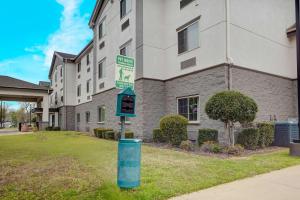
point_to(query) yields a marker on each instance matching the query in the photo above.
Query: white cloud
(72, 34)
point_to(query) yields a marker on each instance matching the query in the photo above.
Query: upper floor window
(101, 29)
(125, 6)
(188, 37)
(101, 69)
(189, 107)
(79, 67)
(55, 78)
(61, 71)
(125, 49)
(79, 90)
(184, 3)
(101, 114)
(87, 59)
(88, 85)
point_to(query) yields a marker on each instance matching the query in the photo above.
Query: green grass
(67, 165)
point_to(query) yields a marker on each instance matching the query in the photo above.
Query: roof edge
(96, 12)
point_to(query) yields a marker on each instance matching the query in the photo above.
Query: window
(188, 107)
(188, 38)
(88, 85)
(87, 59)
(55, 77)
(101, 114)
(125, 6)
(62, 99)
(184, 3)
(79, 67)
(101, 69)
(101, 29)
(61, 71)
(79, 90)
(87, 117)
(125, 49)
(78, 117)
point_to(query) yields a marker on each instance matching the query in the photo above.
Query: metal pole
(122, 118)
(298, 56)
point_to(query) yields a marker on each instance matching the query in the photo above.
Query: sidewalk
(278, 185)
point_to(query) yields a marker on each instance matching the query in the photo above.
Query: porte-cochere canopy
(12, 89)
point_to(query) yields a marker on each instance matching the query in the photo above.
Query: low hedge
(175, 128)
(109, 135)
(266, 134)
(158, 136)
(50, 128)
(205, 135)
(128, 135)
(100, 132)
(249, 138)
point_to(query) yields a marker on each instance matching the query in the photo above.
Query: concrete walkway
(4, 132)
(278, 185)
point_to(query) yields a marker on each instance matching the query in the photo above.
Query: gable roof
(96, 12)
(84, 50)
(10, 82)
(291, 31)
(63, 57)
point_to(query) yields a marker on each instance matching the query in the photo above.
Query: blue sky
(31, 30)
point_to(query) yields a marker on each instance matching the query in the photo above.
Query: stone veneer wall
(295, 96)
(274, 95)
(205, 84)
(67, 118)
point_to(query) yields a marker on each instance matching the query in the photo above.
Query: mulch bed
(198, 151)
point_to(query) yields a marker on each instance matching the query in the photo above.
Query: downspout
(229, 60)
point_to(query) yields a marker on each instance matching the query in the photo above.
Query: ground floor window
(87, 117)
(101, 114)
(189, 108)
(78, 117)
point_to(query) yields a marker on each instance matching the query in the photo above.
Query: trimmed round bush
(249, 138)
(187, 145)
(158, 137)
(205, 135)
(129, 135)
(174, 127)
(266, 134)
(109, 135)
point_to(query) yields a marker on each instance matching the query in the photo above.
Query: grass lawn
(68, 165)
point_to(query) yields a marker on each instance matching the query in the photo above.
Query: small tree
(231, 107)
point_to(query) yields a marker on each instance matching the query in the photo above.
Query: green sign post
(125, 72)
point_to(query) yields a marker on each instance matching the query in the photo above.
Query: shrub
(109, 135)
(158, 136)
(129, 135)
(205, 135)
(231, 107)
(100, 132)
(49, 128)
(249, 138)
(175, 128)
(187, 145)
(236, 150)
(266, 134)
(56, 129)
(211, 147)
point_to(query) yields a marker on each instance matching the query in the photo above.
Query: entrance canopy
(12, 89)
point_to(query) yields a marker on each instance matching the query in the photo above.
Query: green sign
(125, 72)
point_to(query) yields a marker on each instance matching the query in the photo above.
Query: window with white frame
(125, 7)
(88, 85)
(125, 50)
(101, 69)
(188, 37)
(101, 29)
(79, 90)
(87, 116)
(101, 114)
(189, 108)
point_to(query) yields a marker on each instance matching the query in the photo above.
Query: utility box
(285, 133)
(129, 163)
(126, 103)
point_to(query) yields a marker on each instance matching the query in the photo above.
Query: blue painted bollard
(129, 163)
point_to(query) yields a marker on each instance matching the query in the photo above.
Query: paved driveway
(278, 185)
